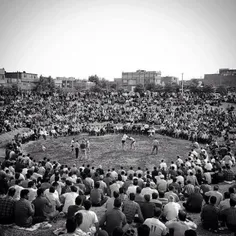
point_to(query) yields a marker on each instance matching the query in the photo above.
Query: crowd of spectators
(155, 201)
(188, 117)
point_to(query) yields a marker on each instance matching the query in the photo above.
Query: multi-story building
(169, 80)
(25, 81)
(130, 80)
(225, 77)
(3, 80)
(66, 83)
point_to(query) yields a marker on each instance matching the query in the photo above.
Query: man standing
(76, 149)
(155, 145)
(133, 143)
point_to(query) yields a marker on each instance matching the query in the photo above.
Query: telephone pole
(182, 84)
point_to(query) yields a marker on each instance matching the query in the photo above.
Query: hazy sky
(79, 38)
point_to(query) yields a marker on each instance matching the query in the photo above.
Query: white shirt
(124, 137)
(89, 219)
(131, 189)
(69, 200)
(156, 227)
(171, 210)
(148, 190)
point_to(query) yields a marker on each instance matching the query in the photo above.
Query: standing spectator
(77, 146)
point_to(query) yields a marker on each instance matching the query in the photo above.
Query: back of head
(115, 194)
(147, 197)
(232, 202)
(73, 189)
(11, 192)
(182, 215)
(78, 200)
(24, 193)
(138, 190)
(71, 225)
(79, 218)
(154, 195)
(216, 188)
(190, 232)
(157, 212)
(213, 200)
(132, 196)
(117, 203)
(87, 205)
(40, 191)
(171, 198)
(135, 182)
(118, 231)
(143, 230)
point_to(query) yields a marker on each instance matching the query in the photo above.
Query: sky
(79, 38)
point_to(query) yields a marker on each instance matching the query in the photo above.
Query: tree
(94, 79)
(207, 89)
(222, 90)
(139, 89)
(150, 87)
(96, 89)
(45, 85)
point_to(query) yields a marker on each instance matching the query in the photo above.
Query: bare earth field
(106, 151)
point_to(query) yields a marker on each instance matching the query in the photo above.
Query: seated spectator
(171, 192)
(228, 216)
(24, 210)
(7, 204)
(155, 225)
(110, 202)
(138, 196)
(225, 203)
(163, 199)
(147, 207)
(188, 189)
(90, 220)
(79, 219)
(131, 208)
(32, 190)
(194, 201)
(216, 193)
(178, 227)
(40, 205)
(229, 175)
(97, 196)
(209, 215)
(171, 209)
(190, 232)
(71, 225)
(113, 218)
(72, 209)
(68, 198)
(155, 200)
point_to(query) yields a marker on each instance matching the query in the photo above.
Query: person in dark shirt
(7, 204)
(228, 216)
(194, 201)
(74, 208)
(209, 215)
(147, 207)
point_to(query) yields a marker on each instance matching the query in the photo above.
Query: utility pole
(182, 84)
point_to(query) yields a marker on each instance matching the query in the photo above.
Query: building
(25, 81)
(66, 83)
(225, 77)
(169, 80)
(3, 81)
(130, 80)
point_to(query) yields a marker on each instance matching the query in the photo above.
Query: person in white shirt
(90, 219)
(132, 188)
(148, 190)
(69, 198)
(155, 225)
(171, 209)
(123, 140)
(163, 165)
(32, 191)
